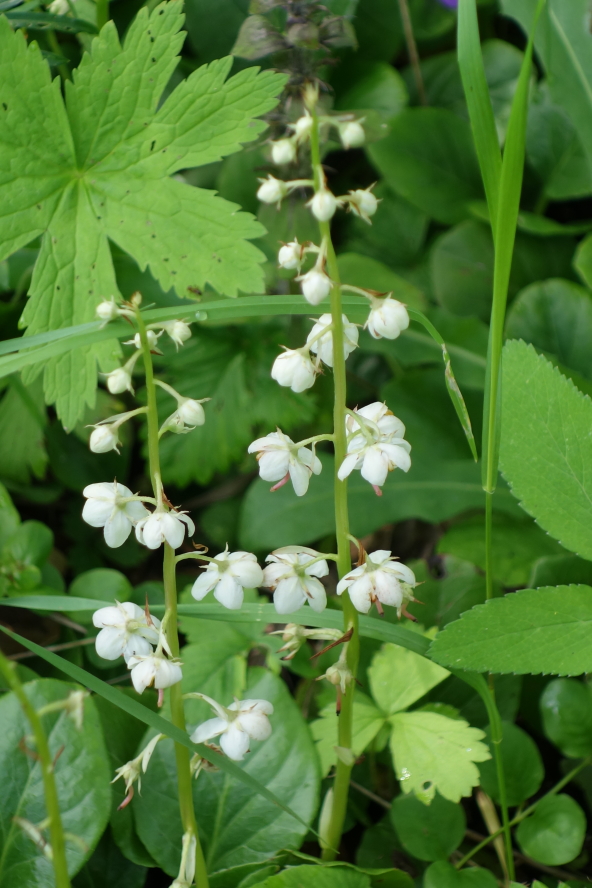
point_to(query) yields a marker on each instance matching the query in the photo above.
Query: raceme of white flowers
(375, 445)
(380, 580)
(236, 725)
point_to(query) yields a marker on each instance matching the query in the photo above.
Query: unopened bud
(283, 152)
(107, 310)
(104, 438)
(316, 286)
(119, 380)
(352, 134)
(272, 190)
(302, 127)
(323, 205)
(191, 412)
(363, 203)
(290, 255)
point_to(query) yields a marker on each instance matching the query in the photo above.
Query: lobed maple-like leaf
(97, 167)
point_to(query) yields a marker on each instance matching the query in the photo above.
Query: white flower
(382, 580)
(375, 461)
(352, 134)
(104, 438)
(179, 331)
(151, 337)
(302, 127)
(162, 526)
(119, 380)
(59, 7)
(293, 582)
(107, 310)
(316, 286)
(323, 205)
(228, 574)
(379, 418)
(363, 203)
(290, 255)
(280, 460)
(236, 725)
(323, 346)
(294, 369)
(125, 631)
(272, 190)
(283, 151)
(387, 318)
(109, 506)
(153, 671)
(191, 412)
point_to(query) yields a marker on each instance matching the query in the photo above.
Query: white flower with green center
(294, 580)
(381, 580)
(153, 670)
(126, 630)
(164, 526)
(282, 461)
(114, 508)
(229, 574)
(236, 725)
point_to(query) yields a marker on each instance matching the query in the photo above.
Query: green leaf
(377, 86)
(108, 866)
(566, 710)
(365, 272)
(378, 29)
(555, 833)
(444, 599)
(523, 767)
(397, 233)
(546, 446)
(317, 877)
(556, 317)
(536, 630)
(560, 570)
(367, 722)
(562, 44)
(428, 833)
(398, 678)
(22, 421)
(213, 28)
(583, 260)
(236, 826)
(103, 584)
(84, 802)
(443, 875)
(516, 545)
(9, 517)
(432, 752)
(123, 152)
(428, 158)
(46, 21)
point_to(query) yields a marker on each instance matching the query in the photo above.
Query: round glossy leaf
(566, 709)
(82, 776)
(317, 877)
(428, 832)
(554, 834)
(102, 583)
(443, 875)
(523, 766)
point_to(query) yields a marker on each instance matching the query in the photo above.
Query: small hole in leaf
(152, 40)
(58, 287)
(153, 144)
(153, 59)
(5, 106)
(427, 785)
(38, 206)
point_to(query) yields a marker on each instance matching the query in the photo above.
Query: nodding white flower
(283, 151)
(228, 575)
(151, 337)
(316, 285)
(104, 438)
(291, 255)
(111, 506)
(107, 310)
(388, 317)
(381, 580)
(352, 134)
(294, 369)
(375, 461)
(236, 725)
(378, 418)
(178, 331)
(155, 671)
(293, 582)
(191, 411)
(119, 380)
(323, 205)
(59, 7)
(323, 346)
(272, 190)
(339, 674)
(363, 203)
(302, 127)
(281, 460)
(294, 636)
(162, 526)
(126, 630)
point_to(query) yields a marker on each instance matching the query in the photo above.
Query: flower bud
(291, 255)
(119, 380)
(104, 438)
(316, 286)
(352, 134)
(363, 203)
(302, 127)
(272, 190)
(179, 331)
(191, 412)
(283, 151)
(294, 369)
(388, 317)
(107, 310)
(323, 205)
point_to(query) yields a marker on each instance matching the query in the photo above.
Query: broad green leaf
(367, 722)
(9, 517)
(443, 875)
(84, 801)
(523, 767)
(555, 833)
(22, 421)
(317, 877)
(566, 710)
(432, 752)
(365, 272)
(470, 705)
(44, 21)
(546, 446)
(378, 87)
(536, 630)
(516, 546)
(397, 233)
(236, 826)
(399, 677)
(556, 317)
(428, 158)
(430, 832)
(216, 665)
(563, 46)
(446, 598)
(429, 21)
(103, 584)
(108, 866)
(560, 570)
(583, 260)
(123, 152)
(433, 491)
(378, 29)
(213, 28)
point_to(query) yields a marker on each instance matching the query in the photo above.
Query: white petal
(235, 743)
(320, 569)
(289, 596)
(347, 466)
(173, 530)
(136, 511)
(204, 584)
(248, 573)
(189, 522)
(255, 724)
(273, 464)
(404, 573)
(299, 476)
(229, 592)
(117, 529)
(210, 728)
(109, 616)
(255, 705)
(96, 512)
(151, 530)
(136, 646)
(102, 490)
(398, 456)
(360, 593)
(375, 466)
(167, 673)
(316, 595)
(143, 673)
(110, 643)
(388, 589)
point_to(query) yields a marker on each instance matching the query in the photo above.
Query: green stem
(350, 615)
(184, 779)
(56, 830)
(102, 13)
(489, 545)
